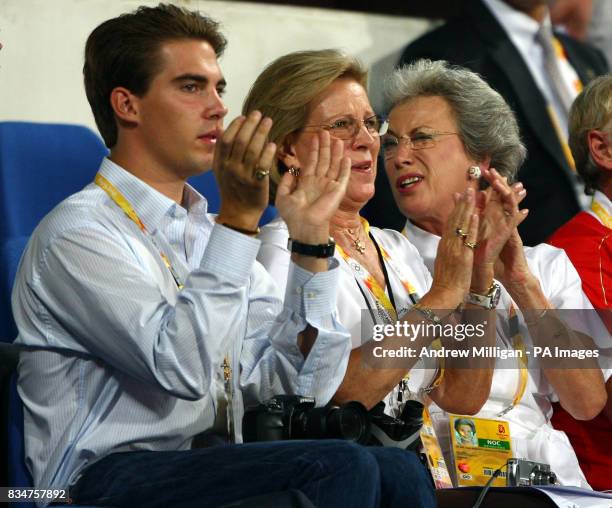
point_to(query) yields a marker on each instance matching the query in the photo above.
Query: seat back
(40, 165)
(206, 185)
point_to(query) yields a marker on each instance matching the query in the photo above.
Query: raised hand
(455, 256)
(307, 202)
(242, 164)
(499, 217)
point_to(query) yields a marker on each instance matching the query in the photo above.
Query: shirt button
(298, 291)
(311, 295)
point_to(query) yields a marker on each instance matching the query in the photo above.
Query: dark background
(440, 9)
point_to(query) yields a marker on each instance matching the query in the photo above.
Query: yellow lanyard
(375, 289)
(519, 345)
(606, 220)
(125, 205)
(602, 214)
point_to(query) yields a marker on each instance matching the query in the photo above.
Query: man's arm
(93, 293)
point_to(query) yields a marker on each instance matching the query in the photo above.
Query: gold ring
(507, 213)
(471, 245)
(260, 174)
(461, 233)
(293, 171)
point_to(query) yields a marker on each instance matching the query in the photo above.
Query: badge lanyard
(120, 200)
(519, 345)
(386, 307)
(600, 211)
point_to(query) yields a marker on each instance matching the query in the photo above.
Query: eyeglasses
(348, 127)
(417, 141)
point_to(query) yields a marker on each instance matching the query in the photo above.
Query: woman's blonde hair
(286, 87)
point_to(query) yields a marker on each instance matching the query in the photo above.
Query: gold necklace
(358, 244)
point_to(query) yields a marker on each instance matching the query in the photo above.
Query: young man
(148, 322)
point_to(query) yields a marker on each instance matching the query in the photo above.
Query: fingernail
(525, 211)
(522, 193)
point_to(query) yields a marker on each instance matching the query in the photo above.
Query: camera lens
(349, 422)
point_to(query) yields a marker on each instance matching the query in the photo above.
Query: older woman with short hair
(442, 121)
(382, 273)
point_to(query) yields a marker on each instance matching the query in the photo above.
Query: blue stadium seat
(206, 185)
(40, 165)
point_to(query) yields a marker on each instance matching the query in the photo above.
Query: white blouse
(273, 254)
(533, 437)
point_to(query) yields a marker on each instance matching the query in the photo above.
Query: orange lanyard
(382, 301)
(125, 205)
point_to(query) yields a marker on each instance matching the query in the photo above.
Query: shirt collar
(521, 28)
(425, 242)
(150, 205)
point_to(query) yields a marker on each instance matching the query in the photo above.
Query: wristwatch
(488, 301)
(323, 250)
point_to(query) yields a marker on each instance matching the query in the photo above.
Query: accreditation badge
(479, 447)
(435, 460)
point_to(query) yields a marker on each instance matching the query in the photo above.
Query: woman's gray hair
(486, 124)
(592, 110)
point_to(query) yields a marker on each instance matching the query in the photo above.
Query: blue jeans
(331, 473)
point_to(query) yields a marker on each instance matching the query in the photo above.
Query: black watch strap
(324, 250)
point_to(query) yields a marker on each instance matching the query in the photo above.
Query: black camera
(403, 432)
(296, 417)
(523, 472)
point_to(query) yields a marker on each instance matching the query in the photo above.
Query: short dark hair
(591, 110)
(124, 51)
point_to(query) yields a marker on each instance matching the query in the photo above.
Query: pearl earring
(474, 173)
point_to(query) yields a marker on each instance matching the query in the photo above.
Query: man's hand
(308, 202)
(240, 154)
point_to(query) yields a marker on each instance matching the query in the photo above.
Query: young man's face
(181, 115)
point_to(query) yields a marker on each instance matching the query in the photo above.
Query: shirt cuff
(230, 254)
(312, 295)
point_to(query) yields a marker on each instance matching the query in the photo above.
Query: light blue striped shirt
(118, 359)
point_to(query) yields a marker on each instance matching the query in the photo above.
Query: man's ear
(600, 148)
(287, 154)
(124, 104)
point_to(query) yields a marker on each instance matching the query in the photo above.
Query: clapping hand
(242, 164)
(308, 201)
